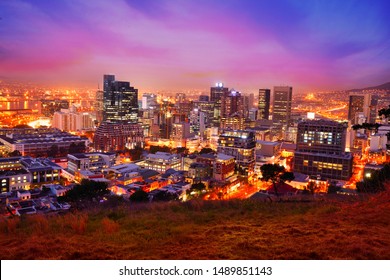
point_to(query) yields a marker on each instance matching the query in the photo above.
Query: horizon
(169, 45)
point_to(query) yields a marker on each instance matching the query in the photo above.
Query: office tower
(264, 103)
(107, 81)
(120, 101)
(218, 91)
(241, 145)
(281, 116)
(359, 103)
(232, 103)
(320, 150)
(216, 94)
(99, 105)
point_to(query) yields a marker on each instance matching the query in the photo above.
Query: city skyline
(171, 44)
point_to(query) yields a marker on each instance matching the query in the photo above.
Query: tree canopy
(86, 190)
(139, 196)
(276, 174)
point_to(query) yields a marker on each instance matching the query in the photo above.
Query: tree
(206, 151)
(15, 153)
(385, 112)
(182, 150)
(165, 196)
(155, 149)
(276, 174)
(367, 126)
(312, 187)
(86, 191)
(139, 196)
(376, 182)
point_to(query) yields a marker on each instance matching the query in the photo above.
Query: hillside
(385, 86)
(239, 229)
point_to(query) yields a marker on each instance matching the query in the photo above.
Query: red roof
(282, 188)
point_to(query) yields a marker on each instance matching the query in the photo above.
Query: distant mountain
(385, 86)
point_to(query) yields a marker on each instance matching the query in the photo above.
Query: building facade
(264, 103)
(111, 137)
(120, 101)
(321, 150)
(241, 145)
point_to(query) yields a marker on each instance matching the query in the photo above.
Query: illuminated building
(35, 144)
(24, 173)
(71, 120)
(264, 103)
(111, 137)
(241, 145)
(161, 161)
(216, 94)
(207, 108)
(266, 152)
(358, 103)
(321, 150)
(90, 161)
(223, 167)
(233, 122)
(99, 105)
(281, 115)
(198, 120)
(120, 101)
(180, 132)
(232, 103)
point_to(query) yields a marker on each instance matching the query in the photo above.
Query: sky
(176, 44)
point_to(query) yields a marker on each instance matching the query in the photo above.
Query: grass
(237, 229)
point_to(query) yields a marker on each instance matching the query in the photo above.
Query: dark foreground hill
(326, 229)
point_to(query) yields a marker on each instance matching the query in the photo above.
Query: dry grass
(356, 229)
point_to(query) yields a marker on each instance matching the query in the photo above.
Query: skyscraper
(359, 103)
(120, 101)
(218, 91)
(231, 103)
(264, 103)
(282, 106)
(216, 94)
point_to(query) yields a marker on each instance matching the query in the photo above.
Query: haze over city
(160, 45)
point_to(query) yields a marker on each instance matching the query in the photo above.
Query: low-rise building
(161, 161)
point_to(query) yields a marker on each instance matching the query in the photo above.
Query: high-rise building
(216, 94)
(241, 145)
(120, 101)
(281, 115)
(99, 105)
(218, 91)
(359, 103)
(264, 103)
(232, 103)
(321, 150)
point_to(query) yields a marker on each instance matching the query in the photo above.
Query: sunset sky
(177, 44)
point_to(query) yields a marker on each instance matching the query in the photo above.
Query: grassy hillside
(331, 229)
